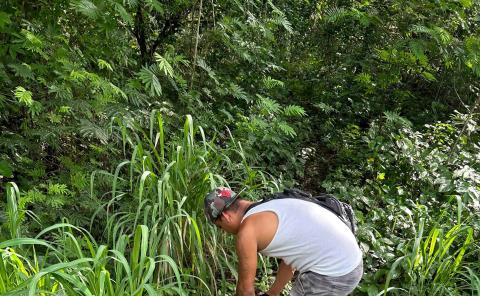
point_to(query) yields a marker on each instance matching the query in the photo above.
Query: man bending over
(306, 236)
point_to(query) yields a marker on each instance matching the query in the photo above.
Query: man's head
(224, 209)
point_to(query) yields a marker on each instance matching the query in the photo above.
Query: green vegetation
(117, 117)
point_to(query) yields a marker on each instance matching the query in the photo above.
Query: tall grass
(433, 263)
(156, 240)
(74, 264)
(162, 183)
(14, 215)
(471, 280)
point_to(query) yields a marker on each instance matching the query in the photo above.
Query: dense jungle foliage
(118, 116)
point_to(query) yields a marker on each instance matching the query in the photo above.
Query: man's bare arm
(284, 275)
(247, 257)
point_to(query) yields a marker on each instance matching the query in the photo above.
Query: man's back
(309, 237)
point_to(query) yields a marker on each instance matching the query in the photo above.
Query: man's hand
(284, 275)
(259, 292)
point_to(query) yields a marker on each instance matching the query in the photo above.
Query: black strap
(283, 196)
(303, 196)
(254, 205)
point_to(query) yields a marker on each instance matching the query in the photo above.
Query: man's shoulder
(249, 222)
(261, 227)
(258, 220)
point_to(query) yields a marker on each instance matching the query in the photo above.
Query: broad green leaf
(429, 76)
(380, 176)
(24, 241)
(5, 169)
(466, 3)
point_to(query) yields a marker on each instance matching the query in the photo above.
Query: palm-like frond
(91, 130)
(335, 14)
(85, 7)
(204, 66)
(164, 65)
(150, 80)
(439, 34)
(394, 118)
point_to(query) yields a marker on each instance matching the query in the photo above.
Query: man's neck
(243, 206)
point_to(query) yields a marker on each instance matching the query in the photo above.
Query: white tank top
(310, 238)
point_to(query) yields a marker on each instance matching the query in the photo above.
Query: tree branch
(170, 27)
(140, 33)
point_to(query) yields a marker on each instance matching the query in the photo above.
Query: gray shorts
(311, 283)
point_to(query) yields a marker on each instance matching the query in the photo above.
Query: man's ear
(226, 215)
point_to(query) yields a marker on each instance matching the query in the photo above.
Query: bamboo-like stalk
(197, 38)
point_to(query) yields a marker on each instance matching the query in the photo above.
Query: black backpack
(343, 210)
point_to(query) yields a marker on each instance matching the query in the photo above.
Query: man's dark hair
(234, 206)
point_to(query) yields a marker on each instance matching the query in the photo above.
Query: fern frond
(102, 64)
(35, 109)
(294, 110)
(365, 78)
(33, 42)
(286, 129)
(22, 70)
(136, 98)
(271, 83)
(126, 17)
(24, 96)
(31, 196)
(267, 105)
(237, 92)
(421, 29)
(61, 91)
(439, 34)
(281, 20)
(258, 123)
(3, 100)
(181, 59)
(60, 189)
(325, 107)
